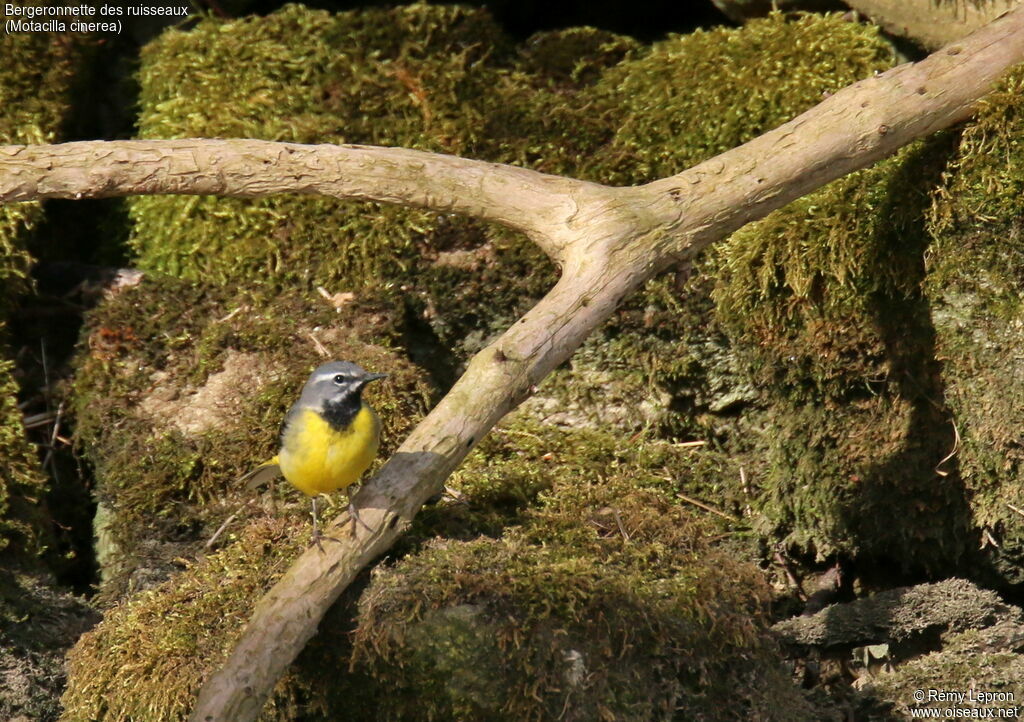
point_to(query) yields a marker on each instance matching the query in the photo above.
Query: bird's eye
(340, 379)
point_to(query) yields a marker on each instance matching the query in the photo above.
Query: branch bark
(932, 23)
(608, 240)
(522, 199)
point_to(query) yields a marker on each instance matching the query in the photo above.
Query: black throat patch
(339, 414)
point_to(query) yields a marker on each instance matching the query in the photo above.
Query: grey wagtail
(328, 438)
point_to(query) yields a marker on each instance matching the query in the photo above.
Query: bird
(328, 439)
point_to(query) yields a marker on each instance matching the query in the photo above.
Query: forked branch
(608, 241)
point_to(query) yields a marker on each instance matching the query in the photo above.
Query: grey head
(338, 383)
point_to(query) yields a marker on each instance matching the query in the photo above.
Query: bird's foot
(318, 537)
(353, 516)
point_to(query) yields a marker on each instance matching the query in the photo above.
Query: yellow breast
(317, 459)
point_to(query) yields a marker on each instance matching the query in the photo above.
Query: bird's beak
(373, 377)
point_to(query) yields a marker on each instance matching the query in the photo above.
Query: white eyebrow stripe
(331, 374)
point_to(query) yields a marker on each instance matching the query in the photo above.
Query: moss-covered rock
(33, 103)
(23, 526)
(34, 86)
(823, 300)
(694, 96)
(576, 55)
(975, 267)
(181, 387)
(147, 658)
(521, 460)
(985, 663)
(951, 636)
(608, 597)
(606, 601)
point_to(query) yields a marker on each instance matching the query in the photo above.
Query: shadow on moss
(973, 284)
(824, 299)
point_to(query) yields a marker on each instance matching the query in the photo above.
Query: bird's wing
(270, 470)
(262, 474)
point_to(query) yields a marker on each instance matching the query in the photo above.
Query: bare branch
(522, 199)
(932, 23)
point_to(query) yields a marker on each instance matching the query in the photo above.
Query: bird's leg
(317, 536)
(316, 529)
(353, 514)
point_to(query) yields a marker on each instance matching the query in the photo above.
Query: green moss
(521, 460)
(181, 388)
(665, 617)
(812, 284)
(607, 600)
(661, 362)
(437, 78)
(822, 300)
(33, 88)
(15, 260)
(982, 660)
(575, 55)
(303, 76)
(986, 178)
(417, 76)
(22, 484)
(975, 266)
(33, 101)
(547, 107)
(147, 658)
(694, 96)
(465, 296)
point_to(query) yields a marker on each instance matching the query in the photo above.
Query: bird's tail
(262, 474)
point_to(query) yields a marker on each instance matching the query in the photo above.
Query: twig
(54, 435)
(324, 353)
(794, 581)
(224, 525)
(216, 535)
(230, 315)
(48, 460)
(618, 520)
(953, 452)
(43, 418)
(706, 507)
